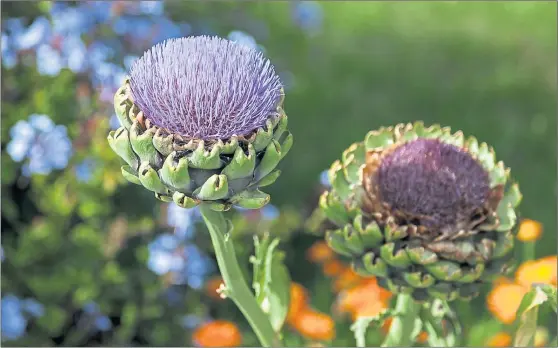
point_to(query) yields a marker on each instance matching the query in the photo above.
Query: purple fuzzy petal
(205, 87)
(432, 179)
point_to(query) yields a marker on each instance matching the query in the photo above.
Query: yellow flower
(537, 271)
(319, 252)
(504, 299)
(212, 285)
(314, 325)
(529, 230)
(299, 301)
(501, 339)
(218, 333)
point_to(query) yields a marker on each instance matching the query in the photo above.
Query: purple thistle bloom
(205, 87)
(435, 182)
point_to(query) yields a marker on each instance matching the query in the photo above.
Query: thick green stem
(236, 287)
(403, 326)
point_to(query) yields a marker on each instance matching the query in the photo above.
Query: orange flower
(386, 325)
(319, 252)
(299, 301)
(218, 333)
(503, 301)
(537, 271)
(366, 299)
(529, 230)
(346, 280)
(315, 325)
(212, 285)
(333, 268)
(501, 339)
(422, 337)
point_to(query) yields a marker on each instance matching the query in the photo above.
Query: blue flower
(75, 52)
(103, 323)
(49, 60)
(308, 15)
(138, 28)
(2, 256)
(45, 145)
(186, 261)
(151, 7)
(324, 179)
(129, 61)
(165, 29)
(190, 321)
(243, 39)
(114, 122)
(162, 255)
(33, 307)
(100, 10)
(198, 266)
(269, 212)
(67, 20)
(91, 308)
(37, 33)
(13, 320)
(84, 170)
(183, 220)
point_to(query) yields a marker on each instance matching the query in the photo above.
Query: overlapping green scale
(221, 173)
(403, 263)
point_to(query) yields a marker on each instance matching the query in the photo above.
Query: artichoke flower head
(427, 211)
(202, 121)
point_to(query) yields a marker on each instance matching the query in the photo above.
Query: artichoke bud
(129, 174)
(142, 143)
(434, 211)
(253, 199)
(150, 179)
(241, 165)
(174, 172)
(119, 141)
(202, 141)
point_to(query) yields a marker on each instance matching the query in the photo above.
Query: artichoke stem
(236, 287)
(403, 328)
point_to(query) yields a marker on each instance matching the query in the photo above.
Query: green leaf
(359, 328)
(527, 313)
(271, 281)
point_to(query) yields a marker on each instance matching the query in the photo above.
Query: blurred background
(90, 260)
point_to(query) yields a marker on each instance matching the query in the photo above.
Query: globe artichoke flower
(202, 121)
(427, 211)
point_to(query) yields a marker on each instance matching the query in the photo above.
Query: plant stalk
(236, 286)
(403, 328)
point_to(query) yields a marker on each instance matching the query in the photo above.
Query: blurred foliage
(78, 241)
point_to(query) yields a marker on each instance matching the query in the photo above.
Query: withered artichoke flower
(427, 211)
(202, 121)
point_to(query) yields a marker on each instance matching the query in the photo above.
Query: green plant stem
(525, 335)
(528, 249)
(236, 286)
(402, 330)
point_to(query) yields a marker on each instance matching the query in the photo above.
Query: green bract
(190, 171)
(405, 261)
